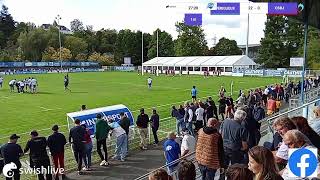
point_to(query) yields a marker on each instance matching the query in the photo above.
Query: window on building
(212, 68)
(204, 69)
(228, 69)
(196, 68)
(177, 69)
(190, 68)
(184, 68)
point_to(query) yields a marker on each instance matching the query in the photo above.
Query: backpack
(257, 114)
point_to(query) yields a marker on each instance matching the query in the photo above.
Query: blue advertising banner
(253, 72)
(88, 117)
(46, 64)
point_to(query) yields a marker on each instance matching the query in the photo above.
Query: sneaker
(122, 160)
(103, 163)
(85, 169)
(106, 163)
(80, 173)
(144, 148)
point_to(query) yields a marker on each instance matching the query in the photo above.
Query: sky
(143, 15)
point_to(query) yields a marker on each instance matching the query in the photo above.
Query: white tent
(199, 64)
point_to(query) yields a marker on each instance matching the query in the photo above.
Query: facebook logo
(303, 162)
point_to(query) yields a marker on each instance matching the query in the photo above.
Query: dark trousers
(233, 157)
(207, 173)
(155, 136)
(58, 161)
(78, 152)
(42, 163)
(102, 142)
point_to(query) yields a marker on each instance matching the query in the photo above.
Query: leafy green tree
(106, 39)
(76, 25)
(191, 41)
(33, 43)
(49, 54)
(313, 46)
(76, 45)
(227, 47)
(166, 46)
(7, 26)
(281, 42)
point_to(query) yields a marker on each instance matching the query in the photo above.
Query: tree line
(21, 41)
(24, 41)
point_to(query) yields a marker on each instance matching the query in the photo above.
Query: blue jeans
(207, 173)
(180, 125)
(121, 147)
(189, 127)
(87, 155)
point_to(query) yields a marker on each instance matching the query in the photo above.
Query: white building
(199, 64)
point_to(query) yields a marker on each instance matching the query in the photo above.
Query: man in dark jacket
(142, 124)
(76, 137)
(56, 143)
(155, 125)
(39, 158)
(102, 132)
(11, 153)
(125, 124)
(258, 114)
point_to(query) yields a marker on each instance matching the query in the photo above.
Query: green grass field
(21, 113)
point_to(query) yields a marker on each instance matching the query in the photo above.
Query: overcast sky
(144, 15)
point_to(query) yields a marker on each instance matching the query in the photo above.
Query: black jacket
(142, 121)
(37, 147)
(77, 135)
(125, 124)
(56, 143)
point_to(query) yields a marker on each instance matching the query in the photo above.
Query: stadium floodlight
(58, 18)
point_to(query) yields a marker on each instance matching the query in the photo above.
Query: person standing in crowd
(142, 124)
(241, 100)
(315, 124)
(39, 158)
(171, 152)
(149, 83)
(186, 170)
(200, 117)
(125, 124)
(222, 91)
(271, 107)
(209, 151)
(181, 110)
(188, 118)
(209, 111)
(188, 144)
(154, 120)
(265, 96)
(102, 132)
(235, 138)
(56, 143)
(214, 107)
(159, 174)
(122, 140)
(250, 125)
(88, 149)
(239, 172)
(258, 114)
(222, 106)
(11, 153)
(34, 84)
(194, 93)
(76, 138)
(262, 164)
(179, 119)
(303, 126)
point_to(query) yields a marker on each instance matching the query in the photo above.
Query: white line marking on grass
(5, 97)
(46, 109)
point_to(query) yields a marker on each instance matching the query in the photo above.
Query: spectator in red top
(271, 106)
(88, 149)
